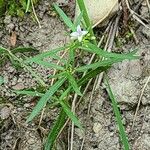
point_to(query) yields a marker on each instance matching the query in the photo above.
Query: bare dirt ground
(127, 80)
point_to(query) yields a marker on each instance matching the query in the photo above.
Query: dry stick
(148, 5)
(72, 125)
(136, 16)
(139, 102)
(35, 14)
(134, 35)
(110, 44)
(52, 82)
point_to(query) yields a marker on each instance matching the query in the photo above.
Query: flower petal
(79, 29)
(84, 32)
(74, 34)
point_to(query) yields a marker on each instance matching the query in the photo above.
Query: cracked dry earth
(127, 80)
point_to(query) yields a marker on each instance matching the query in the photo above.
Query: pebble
(5, 112)
(97, 127)
(7, 20)
(19, 86)
(146, 33)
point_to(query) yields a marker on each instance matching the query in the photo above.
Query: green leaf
(78, 19)
(71, 115)
(28, 5)
(57, 75)
(2, 50)
(91, 74)
(30, 93)
(23, 49)
(103, 63)
(66, 19)
(1, 80)
(94, 49)
(42, 102)
(73, 83)
(49, 53)
(49, 65)
(118, 116)
(58, 125)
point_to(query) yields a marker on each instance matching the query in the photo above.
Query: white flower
(78, 34)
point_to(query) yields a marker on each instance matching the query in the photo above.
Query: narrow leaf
(66, 19)
(28, 5)
(118, 116)
(46, 54)
(70, 114)
(94, 49)
(30, 93)
(2, 50)
(49, 65)
(1, 80)
(42, 102)
(58, 125)
(103, 63)
(73, 83)
(23, 49)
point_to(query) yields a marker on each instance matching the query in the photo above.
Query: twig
(136, 16)
(139, 102)
(52, 82)
(109, 43)
(148, 5)
(72, 125)
(35, 14)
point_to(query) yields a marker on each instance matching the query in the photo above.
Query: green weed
(70, 78)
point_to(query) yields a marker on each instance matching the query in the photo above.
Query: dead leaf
(13, 39)
(99, 10)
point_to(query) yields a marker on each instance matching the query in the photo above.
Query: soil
(127, 80)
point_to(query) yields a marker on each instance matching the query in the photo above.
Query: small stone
(7, 20)
(146, 33)
(27, 105)
(5, 112)
(11, 26)
(80, 133)
(97, 127)
(18, 86)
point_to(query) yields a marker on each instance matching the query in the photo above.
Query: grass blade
(46, 54)
(1, 80)
(58, 124)
(42, 102)
(2, 50)
(78, 19)
(91, 74)
(118, 116)
(94, 49)
(30, 93)
(66, 19)
(73, 83)
(49, 65)
(28, 5)
(23, 49)
(103, 63)
(52, 136)
(71, 115)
